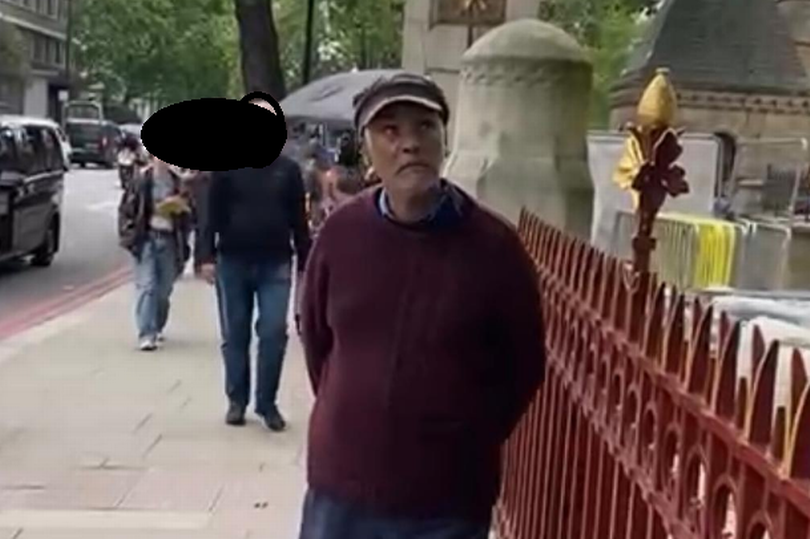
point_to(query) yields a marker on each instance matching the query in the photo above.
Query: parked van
(93, 138)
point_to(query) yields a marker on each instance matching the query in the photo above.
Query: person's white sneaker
(147, 344)
(161, 338)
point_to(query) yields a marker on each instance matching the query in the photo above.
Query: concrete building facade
(43, 26)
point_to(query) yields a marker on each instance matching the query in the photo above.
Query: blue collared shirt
(446, 210)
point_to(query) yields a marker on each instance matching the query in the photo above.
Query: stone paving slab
(76, 490)
(106, 534)
(98, 440)
(109, 521)
(163, 490)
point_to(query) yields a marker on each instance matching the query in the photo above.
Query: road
(89, 252)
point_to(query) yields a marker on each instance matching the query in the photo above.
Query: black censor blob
(217, 133)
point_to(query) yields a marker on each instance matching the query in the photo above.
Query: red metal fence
(642, 428)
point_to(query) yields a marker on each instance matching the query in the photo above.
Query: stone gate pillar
(521, 124)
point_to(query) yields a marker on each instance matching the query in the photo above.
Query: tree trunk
(258, 43)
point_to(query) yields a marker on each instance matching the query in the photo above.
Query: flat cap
(398, 88)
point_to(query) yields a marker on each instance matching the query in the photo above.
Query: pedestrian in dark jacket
(254, 218)
(154, 226)
(423, 335)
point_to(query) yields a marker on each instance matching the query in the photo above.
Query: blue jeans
(155, 273)
(328, 518)
(240, 284)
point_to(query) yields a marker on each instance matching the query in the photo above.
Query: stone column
(521, 125)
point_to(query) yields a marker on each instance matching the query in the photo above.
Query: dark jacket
(257, 214)
(424, 345)
(135, 211)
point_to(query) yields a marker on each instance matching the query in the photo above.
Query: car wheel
(44, 255)
(82, 164)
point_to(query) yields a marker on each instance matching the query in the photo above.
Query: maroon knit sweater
(424, 348)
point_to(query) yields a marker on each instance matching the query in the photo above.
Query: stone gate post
(521, 124)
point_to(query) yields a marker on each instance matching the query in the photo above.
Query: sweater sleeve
(316, 335)
(522, 335)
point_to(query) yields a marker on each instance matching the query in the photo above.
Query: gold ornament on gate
(659, 105)
(648, 166)
(656, 114)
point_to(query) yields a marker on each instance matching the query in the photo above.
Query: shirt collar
(447, 207)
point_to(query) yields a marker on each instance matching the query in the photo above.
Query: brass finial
(659, 105)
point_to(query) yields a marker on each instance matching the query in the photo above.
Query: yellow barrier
(702, 248)
(691, 251)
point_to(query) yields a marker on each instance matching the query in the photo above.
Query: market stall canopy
(329, 100)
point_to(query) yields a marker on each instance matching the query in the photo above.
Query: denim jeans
(155, 273)
(240, 285)
(328, 518)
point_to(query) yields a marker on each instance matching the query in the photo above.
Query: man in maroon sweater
(423, 335)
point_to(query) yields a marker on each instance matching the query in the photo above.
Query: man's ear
(362, 148)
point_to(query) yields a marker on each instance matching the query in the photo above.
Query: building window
(40, 52)
(27, 3)
(60, 53)
(50, 53)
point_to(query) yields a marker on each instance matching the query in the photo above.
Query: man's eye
(427, 125)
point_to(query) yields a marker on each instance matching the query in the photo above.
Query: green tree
(166, 50)
(349, 34)
(365, 33)
(608, 29)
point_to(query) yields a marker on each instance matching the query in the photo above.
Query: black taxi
(32, 175)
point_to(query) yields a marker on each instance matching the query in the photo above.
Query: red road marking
(63, 303)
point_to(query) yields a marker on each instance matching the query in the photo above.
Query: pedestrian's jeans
(326, 517)
(155, 273)
(240, 284)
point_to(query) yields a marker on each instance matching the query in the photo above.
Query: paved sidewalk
(98, 440)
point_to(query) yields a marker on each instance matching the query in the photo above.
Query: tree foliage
(166, 50)
(348, 34)
(608, 29)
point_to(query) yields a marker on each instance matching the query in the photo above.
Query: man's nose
(411, 143)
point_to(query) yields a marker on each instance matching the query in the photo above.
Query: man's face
(405, 143)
